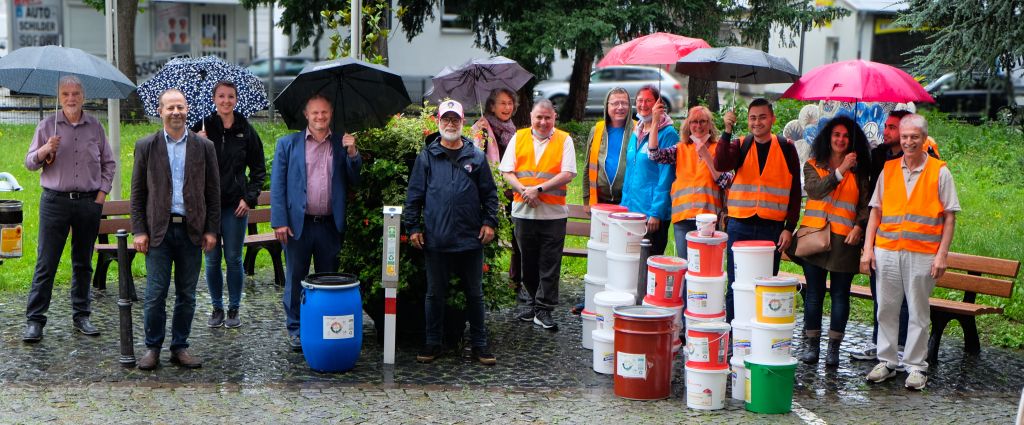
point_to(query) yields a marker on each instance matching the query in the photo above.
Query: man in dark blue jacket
(451, 213)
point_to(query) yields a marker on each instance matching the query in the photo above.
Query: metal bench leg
(275, 258)
(99, 276)
(249, 265)
(972, 344)
(939, 322)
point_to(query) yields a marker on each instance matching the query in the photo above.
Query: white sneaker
(881, 372)
(916, 380)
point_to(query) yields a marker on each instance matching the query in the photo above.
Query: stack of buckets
(601, 298)
(763, 369)
(707, 334)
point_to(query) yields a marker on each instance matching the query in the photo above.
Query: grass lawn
(985, 161)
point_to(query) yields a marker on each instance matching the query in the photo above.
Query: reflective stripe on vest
(913, 224)
(765, 194)
(839, 207)
(594, 159)
(532, 172)
(694, 190)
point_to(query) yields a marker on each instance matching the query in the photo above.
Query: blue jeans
(745, 230)
(321, 243)
(468, 267)
(814, 298)
(680, 229)
(232, 230)
(177, 250)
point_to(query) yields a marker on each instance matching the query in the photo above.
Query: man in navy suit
(312, 172)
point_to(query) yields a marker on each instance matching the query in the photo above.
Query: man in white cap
(451, 211)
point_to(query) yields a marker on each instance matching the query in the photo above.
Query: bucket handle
(620, 224)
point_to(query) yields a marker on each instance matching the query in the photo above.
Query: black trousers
(540, 248)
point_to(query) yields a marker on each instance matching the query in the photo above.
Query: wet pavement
(250, 375)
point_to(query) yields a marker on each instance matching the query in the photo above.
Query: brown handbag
(813, 240)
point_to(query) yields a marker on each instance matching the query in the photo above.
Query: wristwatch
(540, 188)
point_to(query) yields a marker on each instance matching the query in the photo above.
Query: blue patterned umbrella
(196, 78)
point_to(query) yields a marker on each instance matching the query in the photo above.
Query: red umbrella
(858, 81)
(660, 48)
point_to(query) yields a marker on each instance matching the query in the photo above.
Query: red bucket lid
(717, 238)
(753, 244)
(667, 262)
(609, 207)
(627, 216)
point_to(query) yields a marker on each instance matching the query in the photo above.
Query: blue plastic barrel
(331, 321)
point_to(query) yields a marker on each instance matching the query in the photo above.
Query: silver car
(628, 77)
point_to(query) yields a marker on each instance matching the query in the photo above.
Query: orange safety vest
(913, 224)
(839, 207)
(694, 191)
(593, 166)
(765, 194)
(531, 172)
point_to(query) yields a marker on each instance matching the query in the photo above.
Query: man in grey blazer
(175, 205)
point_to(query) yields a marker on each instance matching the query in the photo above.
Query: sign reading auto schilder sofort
(34, 22)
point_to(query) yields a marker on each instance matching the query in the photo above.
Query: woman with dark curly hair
(836, 181)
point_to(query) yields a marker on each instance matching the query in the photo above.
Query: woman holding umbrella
(238, 147)
(496, 127)
(836, 180)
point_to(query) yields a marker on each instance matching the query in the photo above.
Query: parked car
(285, 70)
(630, 78)
(973, 96)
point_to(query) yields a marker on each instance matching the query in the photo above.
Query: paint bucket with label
(706, 224)
(771, 342)
(605, 302)
(705, 254)
(705, 389)
(665, 280)
(604, 351)
(775, 299)
(769, 386)
(741, 339)
(707, 345)
(738, 376)
(643, 352)
(11, 230)
(625, 230)
(331, 324)
(705, 295)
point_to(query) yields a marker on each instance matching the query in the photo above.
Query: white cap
(450, 106)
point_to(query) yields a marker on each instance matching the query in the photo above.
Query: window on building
(450, 10)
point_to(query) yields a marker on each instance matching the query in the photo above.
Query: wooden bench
(116, 215)
(577, 225)
(973, 275)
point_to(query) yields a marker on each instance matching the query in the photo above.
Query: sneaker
(880, 373)
(869, 354)
(544, 320)
(232, 321)
(577, 309)
(899, 356)
(916, 380)
(216, 319)
(295, 342)
(429, 353)
(484, 356)
(525, 315)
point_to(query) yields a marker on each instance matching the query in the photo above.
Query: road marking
(807, 416)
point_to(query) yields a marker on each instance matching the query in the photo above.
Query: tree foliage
(301, 20)
(983, 36)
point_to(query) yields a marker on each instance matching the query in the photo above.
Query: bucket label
(746, 385)
(741, 347)
(781, 346)
(777, 304)
(339, 327)
(670, 285)
(696, 397)
(697, 349)
(604, 233)
(693, 259)
(697, 299)
(608, 357)
(633, 247)
(631, 365)
(10, 241)
(652, 277)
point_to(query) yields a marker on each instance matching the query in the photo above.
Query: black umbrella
(364, 95)
(737, 64)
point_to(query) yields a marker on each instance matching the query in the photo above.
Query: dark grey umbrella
(37, 70)
(737, 64)
(363, 95)
(473, 81)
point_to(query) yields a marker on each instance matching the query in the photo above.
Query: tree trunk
(522, 116)
(579, 85)
(698, 91)
(131, 109)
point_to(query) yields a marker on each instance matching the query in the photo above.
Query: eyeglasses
(619, 104)
(450, 120)
(701, 122)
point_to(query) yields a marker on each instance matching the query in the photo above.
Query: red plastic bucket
(705, 254)
(643, 352)
(707, 345)
(665, 280)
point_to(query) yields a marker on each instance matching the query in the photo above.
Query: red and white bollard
(389, 277)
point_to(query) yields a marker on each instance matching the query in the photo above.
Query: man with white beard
(450, 213)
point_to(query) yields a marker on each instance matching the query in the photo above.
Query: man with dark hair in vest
(539, 163)
(913, 214)
(764, 201)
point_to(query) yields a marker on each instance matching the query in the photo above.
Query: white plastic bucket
(604, 351)
(625, 230)
(752, 259)
(738, 376)
(605, 302)
(597, 262)
(591, 286)
(741, 340)
(599, 221)
(743, 301)
(771, 343)
(693, 319)
(623, 272)
(705, 389)
(678, 322)
(706, 224)
(705, 295)
(589, 325)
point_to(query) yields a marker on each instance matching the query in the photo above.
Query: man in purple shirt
(78, 167)
(312, 172)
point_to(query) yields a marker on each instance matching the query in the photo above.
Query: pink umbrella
(858, 81)
(660, 48)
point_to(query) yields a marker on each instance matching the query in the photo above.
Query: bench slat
(575, 228)
(574, 252)
(109, 226)
(578, 211)
(986, 265)
(117, 207)
(978, 284)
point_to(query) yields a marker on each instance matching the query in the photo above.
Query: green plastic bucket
(769, 385)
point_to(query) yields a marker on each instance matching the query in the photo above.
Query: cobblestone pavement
(250, 375)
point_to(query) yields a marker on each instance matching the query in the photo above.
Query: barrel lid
(758, 360)
(775, 281)
(609, 207)
(718, 237)
(706, 279)
(753, 246)
(613, 298)
(603, 335)
(643, 312)
(629, 216)
(719, 327)
(667, 262)
(597, 245)
(330, 281)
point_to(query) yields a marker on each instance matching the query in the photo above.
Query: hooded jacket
(238, 148)
(608, 192)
